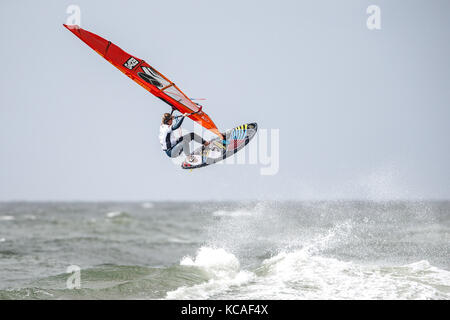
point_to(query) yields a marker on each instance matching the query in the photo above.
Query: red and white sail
(145, 75)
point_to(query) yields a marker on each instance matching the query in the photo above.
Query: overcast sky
(361, 113)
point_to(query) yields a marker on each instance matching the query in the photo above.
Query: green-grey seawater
(224, 250)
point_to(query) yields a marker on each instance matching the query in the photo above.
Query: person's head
(167, 119)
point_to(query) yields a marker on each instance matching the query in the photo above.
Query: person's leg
(196, 138)
(183, 145)
(176, 150)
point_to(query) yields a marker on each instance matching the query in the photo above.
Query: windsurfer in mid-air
(226, 144)
(171, 145)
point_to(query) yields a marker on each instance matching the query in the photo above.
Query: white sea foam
(218, 262)
(147, 205)
(223, 269)
(235, 213)
(306, 273)
(7, 218)
(300, 275)
(115, 214)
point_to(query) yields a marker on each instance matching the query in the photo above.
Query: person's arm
(178, 124)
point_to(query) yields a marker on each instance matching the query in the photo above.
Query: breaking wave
(301, 275)
(303, 271)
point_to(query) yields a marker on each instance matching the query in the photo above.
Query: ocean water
(223, 250)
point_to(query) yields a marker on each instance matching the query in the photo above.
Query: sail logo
(131, 63)
(152, 77)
